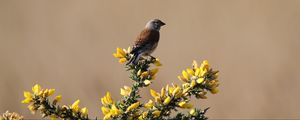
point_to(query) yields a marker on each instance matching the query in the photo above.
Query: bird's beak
(162, 23)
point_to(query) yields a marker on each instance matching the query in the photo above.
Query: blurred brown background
(68, 45)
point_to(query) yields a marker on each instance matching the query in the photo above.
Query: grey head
(155, 24)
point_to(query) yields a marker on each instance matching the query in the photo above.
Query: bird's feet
(152, 58)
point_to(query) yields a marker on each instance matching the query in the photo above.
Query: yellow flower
(107, 116)
(139, 72)
(167, 100)
(57, 99)
(49, 92)
(121, 54)
(126, 91)
(144, 74)
(128, 50)
(167, 87)
(114, 110)
(190, 71)
(158, 99)
(185, 105)
(118, 55)
(162, 92)
(185, 90)
(185, 85)
(203, 72)
(198, 71)
(44, 93)
(193, 112)
(53, 117)
(84, 111)
(75, 106)
(145, 114)
(32, 108)
(28, 97)
(179, 94)
(214, 91)
(156, 113)
(149, 104)
(154, 93)
(182, 79)
(195, 64)
(147, 82)
(133, 106)
(105, 110)
(153, 77)
(153, 71)
(204, 65)
(176, 90)
(193, 83)
(213, 84)
(106, 100)
(185, 75)
(170, 89)
(122, 60)
(120, 51)
(157, 62)
(36, 89)
(200, 80)
(140, 117)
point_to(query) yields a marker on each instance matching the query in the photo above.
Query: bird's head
(155, 24)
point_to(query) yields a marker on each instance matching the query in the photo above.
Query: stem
(50, 109)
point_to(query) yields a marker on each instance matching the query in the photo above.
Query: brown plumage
(147, 41)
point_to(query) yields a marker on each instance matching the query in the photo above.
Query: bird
(147, 41)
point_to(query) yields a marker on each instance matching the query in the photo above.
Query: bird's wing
(146, 39)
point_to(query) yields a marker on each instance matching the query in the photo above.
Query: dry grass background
(68, 45)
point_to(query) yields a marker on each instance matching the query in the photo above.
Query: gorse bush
(197, 82)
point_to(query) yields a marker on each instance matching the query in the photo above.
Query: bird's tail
(134, 60)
